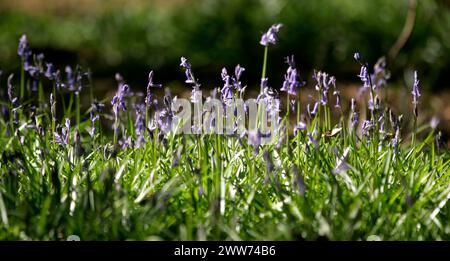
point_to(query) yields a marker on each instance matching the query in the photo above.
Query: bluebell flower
(139, 125)
(71, 80)
(357, 57)
(63, 137)
(434, 122)
(271, 36)
(313, 112)
(150, 85)
(299, 127)
(118, 102)
(184, 63)
(23, 48)
(52, 107)
(354, 117)
(338, 99)
(50, 72)
(226, 91)
(416, 89)
(366, 127)
(380, 75)
(254, 139)
(238, 70)
(190, 79)
(125, 142)
(291, 78)
(11, 95)
(96, 109)
(364, 76)
(396, 140)
(416, 93)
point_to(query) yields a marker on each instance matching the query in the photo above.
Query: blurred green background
(133, 37)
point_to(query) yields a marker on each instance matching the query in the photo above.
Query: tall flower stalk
(23, 51)
(270, 37)
(119, 103)
(290, 85)
(415, 101)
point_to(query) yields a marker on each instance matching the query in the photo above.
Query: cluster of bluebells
(323, 84)
(231, 83)
(38, 69)
(163, 116)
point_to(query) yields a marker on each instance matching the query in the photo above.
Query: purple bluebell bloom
(150, 85)
(164, 120)
(434, 122)
(226, 91)
(291, 78)
(254, 139)
(58, 80)
(238, 70)
(438, 141)
(313, 112)
(354, 117)
(53, 107)
(118, 102)
(299, 127)
(184, 63)
(364, 76)
(269, 98)
(139, 125)
(323, 84)
(96, 109)
(338, 99)
(12, 97)
(23, 48)
(366, 127)
(357, 57)
(396, 140)
(50, 72)
(324, 97)
(416, 93)
(271, 36)
(380, 75)
(190, 79)
(71, 80)
(188, 70)
(63, 138)
(125, 142)
(416, 89)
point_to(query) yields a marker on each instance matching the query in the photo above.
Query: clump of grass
(356, 180)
